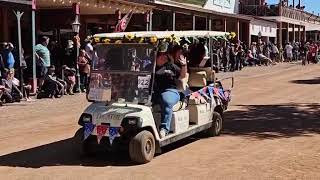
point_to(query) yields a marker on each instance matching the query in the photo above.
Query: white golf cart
(121, 87)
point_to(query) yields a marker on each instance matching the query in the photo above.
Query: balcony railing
(278, 10)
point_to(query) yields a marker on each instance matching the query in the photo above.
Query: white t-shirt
(89, 49)
(288, 49)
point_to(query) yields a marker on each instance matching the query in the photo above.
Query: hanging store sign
(223, 3)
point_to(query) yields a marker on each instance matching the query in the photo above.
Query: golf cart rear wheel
(142, 147)
(216, 127)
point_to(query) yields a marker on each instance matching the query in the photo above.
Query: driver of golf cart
(166, 92)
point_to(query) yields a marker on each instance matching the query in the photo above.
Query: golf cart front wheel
(216, 127)
(142, 147)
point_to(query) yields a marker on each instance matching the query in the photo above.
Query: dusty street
(272, 131)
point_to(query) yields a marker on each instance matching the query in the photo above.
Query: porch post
(288, 35)
(304, 34)
(294, 32)
(150, 20)
(238, 30)
(249, 34)
(34, 70)
(225, 24)
(299, 33)
(279, 42)
(194, 22)
(173, 21)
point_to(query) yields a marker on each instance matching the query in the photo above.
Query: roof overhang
(17, 4)
(98, 7)
(196, 10)
(309, 25)
(21, 2)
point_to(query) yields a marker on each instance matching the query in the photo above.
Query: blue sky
(311, 5)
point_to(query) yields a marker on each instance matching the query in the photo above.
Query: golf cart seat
(199, 77)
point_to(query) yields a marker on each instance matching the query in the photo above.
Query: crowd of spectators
(56, 81)
(52, 81)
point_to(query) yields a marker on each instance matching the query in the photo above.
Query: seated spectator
(26, 89)
(52, 86)
(251, 60)
(10, 92)
(70, 79)
(1, 93)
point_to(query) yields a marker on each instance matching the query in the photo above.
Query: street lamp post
(76, 28)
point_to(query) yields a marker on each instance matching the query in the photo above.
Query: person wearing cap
(166, 93)
(8, 56)
(43, 58)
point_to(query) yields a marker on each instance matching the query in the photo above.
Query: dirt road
(272, 131)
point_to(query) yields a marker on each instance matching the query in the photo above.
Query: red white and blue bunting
(206, 94)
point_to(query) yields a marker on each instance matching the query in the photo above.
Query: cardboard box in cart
(179, 122)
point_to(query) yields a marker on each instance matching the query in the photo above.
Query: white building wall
(268, 29)
(224, 6)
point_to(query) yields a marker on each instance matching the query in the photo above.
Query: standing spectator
(84, 69)
(43, 58)
(303, 52)
(239, 57)
(226, 57)
(89, 48)
(288, 49)
(69, 55)
(274, 52)
(233, 56)
(8, 57)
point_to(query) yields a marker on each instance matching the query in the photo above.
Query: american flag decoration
(123, 23)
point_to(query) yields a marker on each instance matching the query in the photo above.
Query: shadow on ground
(307, 81)
(67, 153)
(252, 121)
(273, 121)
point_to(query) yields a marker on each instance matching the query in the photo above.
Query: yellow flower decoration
(118, 42)
(96, 39)
(141, 40)
(107, 41)
(153, 40)
(129, 37)
(176, 40)
(233, 35)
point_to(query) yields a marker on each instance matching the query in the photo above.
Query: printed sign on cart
(144, 82)
(99, 94)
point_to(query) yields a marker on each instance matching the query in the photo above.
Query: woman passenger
(166, 93)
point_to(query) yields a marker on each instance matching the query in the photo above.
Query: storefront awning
(96, 7)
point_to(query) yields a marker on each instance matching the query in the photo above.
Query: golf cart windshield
(122, 73)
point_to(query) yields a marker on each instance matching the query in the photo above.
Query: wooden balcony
(278, 10)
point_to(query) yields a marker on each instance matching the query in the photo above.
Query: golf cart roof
(163, 34)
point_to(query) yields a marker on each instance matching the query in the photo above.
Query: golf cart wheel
(216, 127)
(142, 147)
